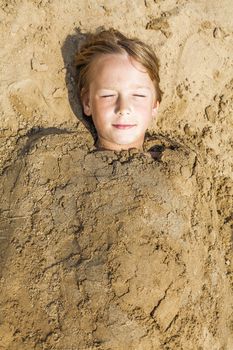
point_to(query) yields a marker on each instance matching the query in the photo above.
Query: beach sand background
(116, 251)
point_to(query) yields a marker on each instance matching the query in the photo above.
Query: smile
(123, 126)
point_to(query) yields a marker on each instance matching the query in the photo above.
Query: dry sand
(105, 250)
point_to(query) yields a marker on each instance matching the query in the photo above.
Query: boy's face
(121, 100)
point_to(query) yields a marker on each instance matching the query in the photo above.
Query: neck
(105, 145)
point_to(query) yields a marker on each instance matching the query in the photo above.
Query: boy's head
(118, 85)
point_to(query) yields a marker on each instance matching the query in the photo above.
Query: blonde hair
(114, 42)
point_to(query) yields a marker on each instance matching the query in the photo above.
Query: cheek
(144, 109)
(100, 114)
(146, 115)
(100, 105)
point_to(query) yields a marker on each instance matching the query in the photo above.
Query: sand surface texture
(106, 250)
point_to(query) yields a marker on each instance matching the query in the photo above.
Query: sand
(116, 250)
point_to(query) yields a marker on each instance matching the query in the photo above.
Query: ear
(155, 108)
(86, 102)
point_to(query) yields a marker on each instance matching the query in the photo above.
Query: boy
(118, 86)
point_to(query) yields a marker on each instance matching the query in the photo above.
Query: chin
(127, 140)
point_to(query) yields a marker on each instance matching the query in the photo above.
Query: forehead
(114, 69)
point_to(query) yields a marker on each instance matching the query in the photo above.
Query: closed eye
(137, 95)
(104, 96)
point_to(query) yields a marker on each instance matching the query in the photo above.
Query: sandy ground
(105, 250)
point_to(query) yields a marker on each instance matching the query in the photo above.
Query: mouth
(123, 126)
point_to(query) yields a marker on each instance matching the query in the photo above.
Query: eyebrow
(132, 87)
(141, 87)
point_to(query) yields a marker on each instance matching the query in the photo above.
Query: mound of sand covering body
(106, 250)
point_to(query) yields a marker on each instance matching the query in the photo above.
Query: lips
(123, 126)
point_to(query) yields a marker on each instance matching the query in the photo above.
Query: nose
(122, 106)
